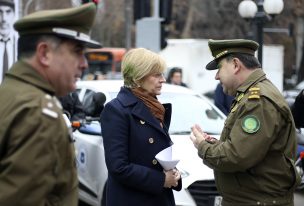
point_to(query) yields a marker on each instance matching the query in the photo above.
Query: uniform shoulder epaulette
(254, 93)
(50, 106)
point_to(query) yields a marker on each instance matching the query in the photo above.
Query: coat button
(151, 140)
(154, 161)
(142, 122)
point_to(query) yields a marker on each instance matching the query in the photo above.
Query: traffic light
(141, 8)
(163, 36)
(165, 10)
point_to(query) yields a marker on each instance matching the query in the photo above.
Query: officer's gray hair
(27, 44)
(138, 64)
(251, 62)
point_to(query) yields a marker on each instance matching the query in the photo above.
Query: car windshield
(188, 109)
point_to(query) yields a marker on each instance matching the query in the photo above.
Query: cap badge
(221, 54)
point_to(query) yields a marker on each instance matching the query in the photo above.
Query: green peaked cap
(73, 23)
(220, 48)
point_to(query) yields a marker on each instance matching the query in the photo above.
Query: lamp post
(261, 12)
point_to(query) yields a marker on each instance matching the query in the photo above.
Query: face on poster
(9, 13)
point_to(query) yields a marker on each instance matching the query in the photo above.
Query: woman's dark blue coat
(132, 138)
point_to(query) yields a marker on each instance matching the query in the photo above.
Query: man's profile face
(66, 64)
(7, 15)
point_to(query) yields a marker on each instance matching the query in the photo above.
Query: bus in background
(104, 63)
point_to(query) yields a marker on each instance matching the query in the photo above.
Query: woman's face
(153, 83)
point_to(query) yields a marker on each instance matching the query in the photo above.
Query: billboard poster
(9, 13)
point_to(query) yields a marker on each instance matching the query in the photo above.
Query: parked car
(188, 108)
(290, 95)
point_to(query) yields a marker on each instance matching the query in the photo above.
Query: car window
(188, 109)
(113, 94)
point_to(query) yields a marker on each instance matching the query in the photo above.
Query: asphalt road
(299, 198)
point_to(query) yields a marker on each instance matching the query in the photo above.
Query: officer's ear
(237, 65)
(43, 54)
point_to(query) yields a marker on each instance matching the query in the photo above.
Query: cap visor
(211, 65)
(89, 43)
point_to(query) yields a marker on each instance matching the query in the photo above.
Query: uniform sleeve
(115, 131)
(243, 148)
(26, 168)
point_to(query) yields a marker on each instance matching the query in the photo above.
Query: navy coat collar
(128, 99)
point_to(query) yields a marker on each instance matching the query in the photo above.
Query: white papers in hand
(164, 157)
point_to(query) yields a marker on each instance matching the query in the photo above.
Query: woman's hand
(172, 178)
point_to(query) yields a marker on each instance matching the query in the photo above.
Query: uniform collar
(26, 73)
(257, 76)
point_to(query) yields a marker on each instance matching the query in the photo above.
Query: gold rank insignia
(238, 99)
(254, 93)
(250, 124)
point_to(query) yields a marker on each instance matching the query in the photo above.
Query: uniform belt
(278, 201)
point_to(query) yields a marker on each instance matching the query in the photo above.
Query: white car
(188, 108)
(290, 95)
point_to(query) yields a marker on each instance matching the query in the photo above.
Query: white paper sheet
(164, 157)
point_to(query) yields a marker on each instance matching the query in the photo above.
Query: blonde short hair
(140, 63)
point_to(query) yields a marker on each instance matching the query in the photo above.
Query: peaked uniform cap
(10, 3)
(220, 48)
(73, 23)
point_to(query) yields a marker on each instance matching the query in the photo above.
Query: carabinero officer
(37, 160)
(253, 161)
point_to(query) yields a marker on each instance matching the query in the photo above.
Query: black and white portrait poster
(9, 11)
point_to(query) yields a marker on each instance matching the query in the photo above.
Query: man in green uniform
(253, 161)
(37, 160)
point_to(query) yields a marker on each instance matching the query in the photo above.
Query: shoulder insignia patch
(254, 93)
(49, 112)
(49, 106)
(250, 124)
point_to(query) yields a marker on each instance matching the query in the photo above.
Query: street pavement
(299, 198)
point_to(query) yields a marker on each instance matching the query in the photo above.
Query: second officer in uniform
(253, 161)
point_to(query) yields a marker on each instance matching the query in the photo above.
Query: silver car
(188, 108)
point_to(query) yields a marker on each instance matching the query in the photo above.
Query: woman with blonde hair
(135, 128)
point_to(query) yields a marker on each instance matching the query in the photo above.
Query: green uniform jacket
(254, 160)
(37, 160)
